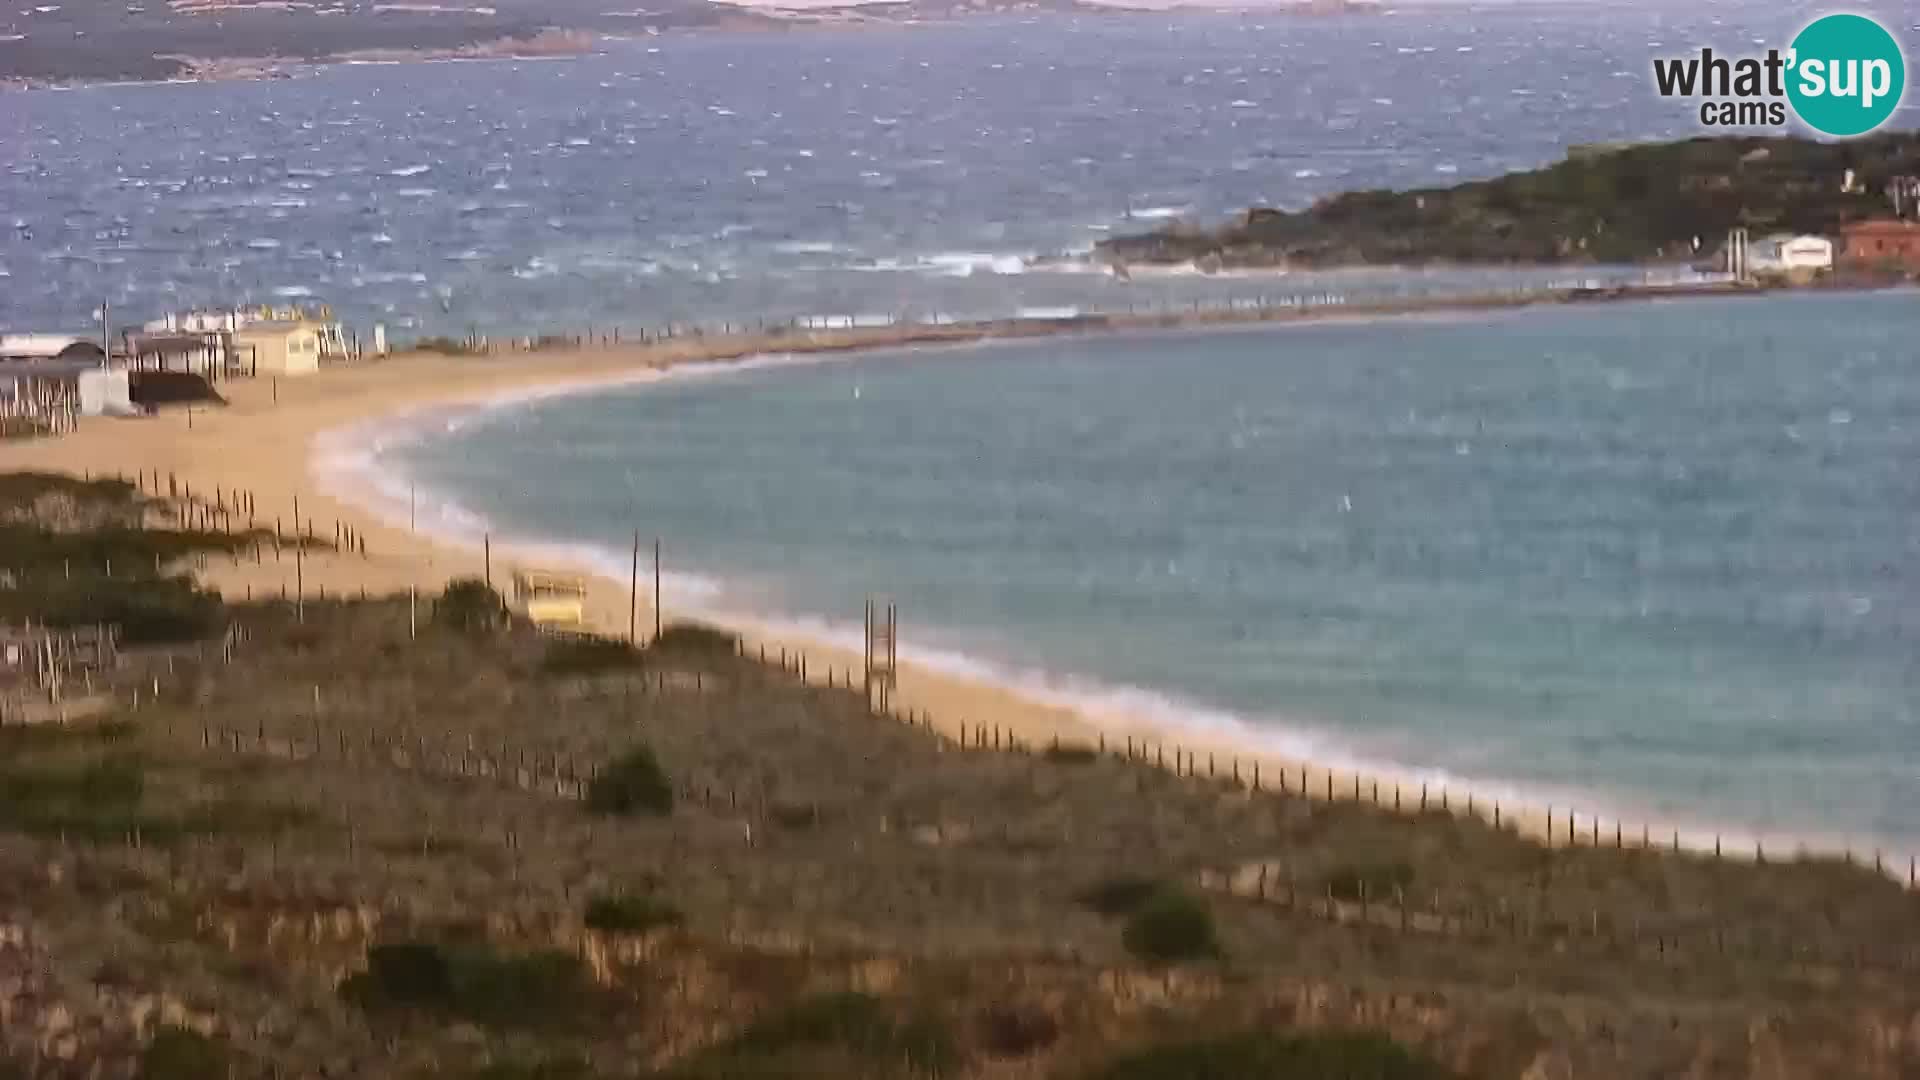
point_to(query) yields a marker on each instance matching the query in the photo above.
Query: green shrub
(98, 798)
(794, 815)
(694, 639)
(178, 1053)
(634, 783)
(47, 789)
(859, 1026)
(131, 551)
(589, 656)
(471, 982)
(26, 487)
(560, 1068)
(447, 346)
(1170, 927)
(403, 973)
(1116, 896)
(526, 990)
(161, 614)
(1009, 1031)
(1371, 881)
(148, 610)
(469, 605)
(621, 913)
(1332, 1055)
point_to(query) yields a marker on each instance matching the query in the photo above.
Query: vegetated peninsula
(1602, 204)
(83, 41)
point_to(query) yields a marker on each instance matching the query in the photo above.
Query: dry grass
(976, 900)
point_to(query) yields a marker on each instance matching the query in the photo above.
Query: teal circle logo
(1846, 75)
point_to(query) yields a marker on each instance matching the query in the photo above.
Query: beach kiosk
(554, 602)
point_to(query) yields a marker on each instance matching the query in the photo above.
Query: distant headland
(1611, 203)
(69, 44)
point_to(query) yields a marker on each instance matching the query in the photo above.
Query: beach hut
(200, 352)
(280, 348)
(551, 601)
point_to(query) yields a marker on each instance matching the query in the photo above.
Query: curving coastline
(309, 440)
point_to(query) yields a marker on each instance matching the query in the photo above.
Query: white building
(1783, 253)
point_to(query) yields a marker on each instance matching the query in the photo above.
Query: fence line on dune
(1668, 939)
(1538, 920)
(237, 511)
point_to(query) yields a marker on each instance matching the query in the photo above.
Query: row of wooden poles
(549, 772)
(218, 513)
(1514, 921)
(1396, 798)
(217, 510)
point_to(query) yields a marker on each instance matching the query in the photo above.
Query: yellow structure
(279, 348)
(550, 601)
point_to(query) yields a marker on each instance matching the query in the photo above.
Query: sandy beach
(264, 443)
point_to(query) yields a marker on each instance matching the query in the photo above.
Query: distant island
(70, 43)
(60, 44)
(1602, 204)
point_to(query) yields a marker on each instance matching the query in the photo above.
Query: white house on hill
(1783, 253)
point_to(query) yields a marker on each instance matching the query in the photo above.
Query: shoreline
(295, 446)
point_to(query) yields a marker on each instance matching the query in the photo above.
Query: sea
(1655, 561)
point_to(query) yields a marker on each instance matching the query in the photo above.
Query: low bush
(622, 913)
(632, 784)
(472, 982)
(694, 639)
(559, 1068)
(1009, 1031)
(1116, 896)
(96, 798)
(178, 1053)
(71, 593)
(1071, 754)
(54, 781)
(26, 487)
(1330, 1055)
(848, 1033)
(130, 552)
(794, 815)
(447, 346)
(1171, 927)
(469, 605)
(589, 656)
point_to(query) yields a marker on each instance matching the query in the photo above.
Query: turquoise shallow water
(1657, 559)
